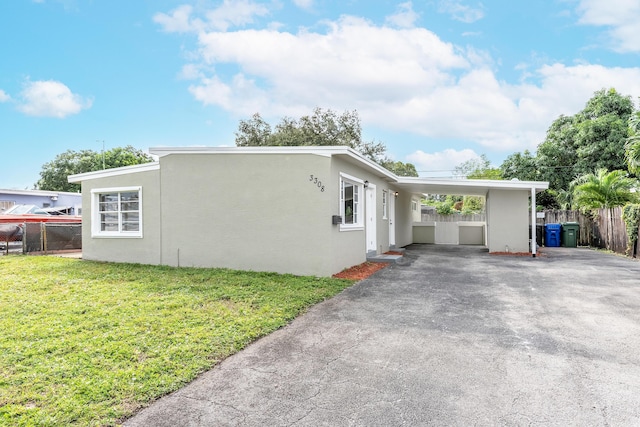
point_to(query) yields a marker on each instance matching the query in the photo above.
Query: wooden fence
(605, 229)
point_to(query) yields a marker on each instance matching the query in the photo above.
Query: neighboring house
(69, 203)
(299, 210)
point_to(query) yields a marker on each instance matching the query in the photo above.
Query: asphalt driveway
(455, 336)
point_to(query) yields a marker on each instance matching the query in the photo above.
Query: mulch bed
(361, 271)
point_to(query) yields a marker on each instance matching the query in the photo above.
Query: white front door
(370, 223)
(392, 219)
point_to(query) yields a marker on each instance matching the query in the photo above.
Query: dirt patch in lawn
(361, 271)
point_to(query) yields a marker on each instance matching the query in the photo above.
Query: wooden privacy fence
(605, 229)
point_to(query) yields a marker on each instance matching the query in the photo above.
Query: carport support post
(533, 222)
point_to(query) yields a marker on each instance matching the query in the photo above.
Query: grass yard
(89, 343)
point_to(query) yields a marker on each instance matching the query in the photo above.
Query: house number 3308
(314, 180)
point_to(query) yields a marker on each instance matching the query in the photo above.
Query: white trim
(95, 214)
(351, 178)
(370, 221)
(359, 212)
(534, 225)
(385, 204)
(125, 170)
(38, 193)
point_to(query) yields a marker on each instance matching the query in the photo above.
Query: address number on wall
(315, 181)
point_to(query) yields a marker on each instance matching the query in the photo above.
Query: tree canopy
(603, 189)
(595, 138)
(478, 168)
(632, 146)
(322, 128)
(53, 176)
(590, 140)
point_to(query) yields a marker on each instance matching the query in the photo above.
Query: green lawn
(88, 343)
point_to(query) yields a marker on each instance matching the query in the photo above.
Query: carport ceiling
(464, 187)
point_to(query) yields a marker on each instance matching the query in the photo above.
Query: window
(117, 212)
(414, 205)
(385, 195)
(350, 201)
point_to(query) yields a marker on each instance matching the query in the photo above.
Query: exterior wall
(508, 220)
(260, 212)
(471, 233)
(424, 233)
(404, 219)
(144, 250)
(348, 248)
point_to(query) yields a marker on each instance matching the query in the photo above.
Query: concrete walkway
(455, 336)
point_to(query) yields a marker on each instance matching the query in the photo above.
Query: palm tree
(603, 190)
(632, 146)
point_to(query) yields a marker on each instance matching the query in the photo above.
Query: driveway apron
(451, 336)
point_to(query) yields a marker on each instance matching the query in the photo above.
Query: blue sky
(438, 81)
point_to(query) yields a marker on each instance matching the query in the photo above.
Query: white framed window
(414, 205)
(116, 212)
(351, 190)
(385, 197)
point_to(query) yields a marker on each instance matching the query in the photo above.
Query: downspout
(533, 222)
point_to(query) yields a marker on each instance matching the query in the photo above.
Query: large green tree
(592, 139)
(477, 168)
(322, 128)
(522, 166)
(632, 146)
(53, 176)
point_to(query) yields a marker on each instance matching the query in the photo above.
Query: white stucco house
(298, 210)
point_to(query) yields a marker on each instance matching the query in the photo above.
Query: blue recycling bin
(552, 235)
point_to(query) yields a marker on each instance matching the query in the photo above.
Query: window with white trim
(350, 201)
(117, 212)
(385, 195)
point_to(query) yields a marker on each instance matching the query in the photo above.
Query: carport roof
(464, 187)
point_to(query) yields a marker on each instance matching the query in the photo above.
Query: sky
(439, 82)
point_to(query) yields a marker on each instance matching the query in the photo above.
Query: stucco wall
(250, 212)
(508, 220)
(349, 247)
(144, 250)
(404, 219)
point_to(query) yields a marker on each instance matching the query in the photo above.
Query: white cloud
(405, 17)
(441, 163)
(401, 79)
(4, 97)
(353, 64)
(49, 98)
(461, 12)
(303, 4)
(231, 13)
(621, 17)
(179, 20)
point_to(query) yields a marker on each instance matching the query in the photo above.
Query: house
(54, 201)
(299, 210)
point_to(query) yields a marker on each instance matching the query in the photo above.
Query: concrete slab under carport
(452, 336)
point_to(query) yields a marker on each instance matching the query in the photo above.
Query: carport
(510, 207)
